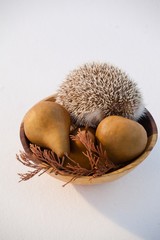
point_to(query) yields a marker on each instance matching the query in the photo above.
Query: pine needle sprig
(45, 160)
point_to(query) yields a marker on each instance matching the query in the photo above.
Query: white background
(40, 42)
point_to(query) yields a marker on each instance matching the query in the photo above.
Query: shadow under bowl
(152, 133)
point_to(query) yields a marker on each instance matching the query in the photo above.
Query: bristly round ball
(95, 91)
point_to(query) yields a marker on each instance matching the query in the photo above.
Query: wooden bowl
(147, 122)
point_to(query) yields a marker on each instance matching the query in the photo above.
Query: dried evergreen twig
(99, 161)
(46, 160)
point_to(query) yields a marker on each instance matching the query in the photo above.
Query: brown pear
(47, 124)
(77, 148)
(123, 139)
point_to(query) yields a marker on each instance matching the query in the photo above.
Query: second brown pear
(78, 150)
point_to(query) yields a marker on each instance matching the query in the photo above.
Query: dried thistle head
(95, 91)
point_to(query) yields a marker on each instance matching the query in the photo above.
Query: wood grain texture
(147, 122)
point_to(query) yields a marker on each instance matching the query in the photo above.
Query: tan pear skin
(47, 124)
(77, 148)
(123, 139)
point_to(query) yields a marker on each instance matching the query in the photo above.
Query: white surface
(40, 42)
